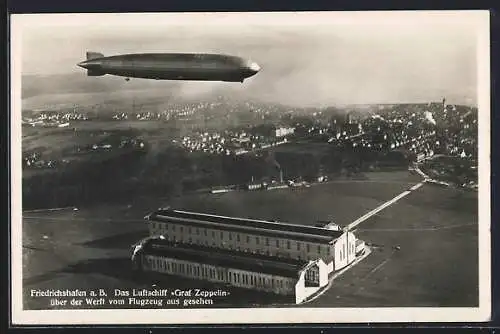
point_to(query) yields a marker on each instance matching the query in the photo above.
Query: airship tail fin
(94, 55)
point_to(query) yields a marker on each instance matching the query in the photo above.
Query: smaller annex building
(296, 279)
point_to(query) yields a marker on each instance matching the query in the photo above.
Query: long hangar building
(287, 259)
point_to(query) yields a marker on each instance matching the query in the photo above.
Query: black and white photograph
(258, 167)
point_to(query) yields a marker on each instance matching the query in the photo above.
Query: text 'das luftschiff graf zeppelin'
(128, 298)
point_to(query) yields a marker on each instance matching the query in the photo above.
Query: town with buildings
(400, 133)
(257, 148)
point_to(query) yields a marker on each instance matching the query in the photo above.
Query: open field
(437, 264)
(341, 201)
(436, 229)
(304, 148)
(81, 133)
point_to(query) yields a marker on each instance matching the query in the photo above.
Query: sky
(307, 59)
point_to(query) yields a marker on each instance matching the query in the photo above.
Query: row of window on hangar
(250, 242)
(235, 277)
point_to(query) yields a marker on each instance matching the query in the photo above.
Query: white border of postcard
(476, 19)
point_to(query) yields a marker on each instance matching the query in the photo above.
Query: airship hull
(180, 74)
(172, 66)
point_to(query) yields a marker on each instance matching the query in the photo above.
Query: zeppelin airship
(171, 66)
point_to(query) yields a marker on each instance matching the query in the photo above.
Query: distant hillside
(55, 91)
(34, 85)
(47, 91)
(77, 88)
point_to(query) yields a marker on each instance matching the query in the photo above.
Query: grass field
(436, 229)
(341, 201)
(437, 264)
(304, 148)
